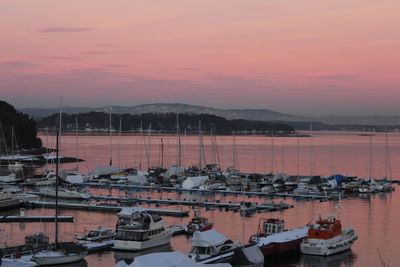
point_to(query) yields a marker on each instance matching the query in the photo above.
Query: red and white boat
(198, 223)
(272, 238)
(326, 237)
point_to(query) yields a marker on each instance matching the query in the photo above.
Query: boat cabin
(325, 228)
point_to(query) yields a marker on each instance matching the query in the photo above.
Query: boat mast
(272, 151)
(77, 144)
(148, 149)
(178, 143)
(119, 143)
(12, 141)
(140, 143)
(111, 150)
(298, 157)
(201, 151)
(162, 153)
(370, 157)
(388, 167)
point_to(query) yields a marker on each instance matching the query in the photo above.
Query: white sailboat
(63, 252)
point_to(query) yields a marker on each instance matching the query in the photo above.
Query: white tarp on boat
(194, 182)
(137, 179)
(128, 211)
(284, 236)
(104, 170)
(208, 238)
(175, 170)
(167, 259)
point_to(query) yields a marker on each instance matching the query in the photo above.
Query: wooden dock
(102, 208)
(4, 219)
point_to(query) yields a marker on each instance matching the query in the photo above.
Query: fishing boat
(198, 223)
(138, 230)
(273, 238)
(326, 237)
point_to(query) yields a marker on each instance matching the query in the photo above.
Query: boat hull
(281, 248)
(57, 259)
(331, 246)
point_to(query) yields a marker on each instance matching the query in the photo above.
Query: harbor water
(375, 217)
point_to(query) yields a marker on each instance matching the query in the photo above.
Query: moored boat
(273, 239)
(139, 230)
(326, 237)
(198, 223)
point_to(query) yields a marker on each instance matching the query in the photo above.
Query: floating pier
(217, 204)
(4, 219)
(138, 188)
(102, 208)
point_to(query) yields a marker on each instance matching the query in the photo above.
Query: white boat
(138, 230)
(17, 193)
(67, 252)
(99, 234)
(64, 193)
(16, 166)
(206, 245)
(7, 202)
(326, 237)
(8, 179)
(62, 252)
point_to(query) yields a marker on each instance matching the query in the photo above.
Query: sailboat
(62, 252)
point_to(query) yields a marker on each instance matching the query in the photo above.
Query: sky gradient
(307, 57)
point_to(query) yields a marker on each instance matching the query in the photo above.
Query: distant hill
(247, 114)
(163, 123)
(24, 129)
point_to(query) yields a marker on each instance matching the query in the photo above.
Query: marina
(108, 199)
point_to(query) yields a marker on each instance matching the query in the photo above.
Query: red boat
(273, 239)
(198, 223)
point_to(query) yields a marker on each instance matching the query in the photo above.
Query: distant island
(16, 128)
(323, 123)
(163, 123)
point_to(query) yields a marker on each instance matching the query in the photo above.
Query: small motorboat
(198, 223)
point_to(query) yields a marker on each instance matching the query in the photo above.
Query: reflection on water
(128, 257)
(345, 258)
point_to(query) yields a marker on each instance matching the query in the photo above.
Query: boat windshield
(93, 233)
(201, 250)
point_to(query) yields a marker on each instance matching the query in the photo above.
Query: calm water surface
(375, 217)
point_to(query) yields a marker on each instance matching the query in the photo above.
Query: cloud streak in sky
(64, 29)
(16, 64)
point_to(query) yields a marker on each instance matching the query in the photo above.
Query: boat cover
(137, 179)
(284, 236)
(208, 238)
(193, 182)
(167, 259)
(104, 170)
(128, 211)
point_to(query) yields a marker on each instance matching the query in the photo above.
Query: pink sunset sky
(306, 57)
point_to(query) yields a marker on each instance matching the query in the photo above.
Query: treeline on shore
(162, 123)
(23, 127)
